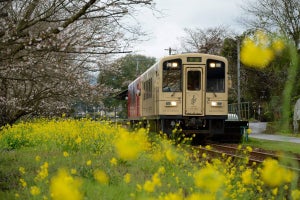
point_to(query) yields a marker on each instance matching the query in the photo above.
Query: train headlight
(216, 104)
(172, 64)
(214, 64)
(171, 103)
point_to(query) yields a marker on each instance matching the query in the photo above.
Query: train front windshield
(215, 76)
(172, 76)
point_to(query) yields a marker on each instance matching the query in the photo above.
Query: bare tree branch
(274, 15)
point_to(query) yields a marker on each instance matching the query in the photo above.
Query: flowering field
(84, 159)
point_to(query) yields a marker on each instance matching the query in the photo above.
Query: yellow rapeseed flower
(149, 186)
(171, 155)
(156, 179)
(296, 194)
(78, 140)
(66, 154)
(197, 196)
(89, 163)
(37, 158)
(259, 50)
(275, 175)
(249, 149)
(22, 170)
(42, 172)
(34, 190)
(173, 196)
(249, 131)
(157, 156)
(247, 176)
(208, 147)
(209, 179)
(162, 170)
(139, 187)
(127, 178)
(73, 171)
(101, 176)
(278, 45)
(113, 161)
(65, 187)
(23, 182)
(275, 191)
(130, 145)
(256, 52)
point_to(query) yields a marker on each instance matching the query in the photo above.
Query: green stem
(288, 88)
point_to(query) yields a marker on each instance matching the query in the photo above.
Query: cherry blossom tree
(49, 48)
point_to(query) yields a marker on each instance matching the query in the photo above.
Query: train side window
(194, 80)
(147, 89)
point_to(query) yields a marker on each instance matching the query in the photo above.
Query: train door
(193, 91)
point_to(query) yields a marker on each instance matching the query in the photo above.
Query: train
(187, 93)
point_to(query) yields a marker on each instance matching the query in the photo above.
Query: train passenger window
(215, 80)
(171, 76)
(194, 80)
(147, 85)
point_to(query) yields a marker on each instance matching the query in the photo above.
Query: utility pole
(238, 79)
(170, 50)
(138, 60)
(137, 67)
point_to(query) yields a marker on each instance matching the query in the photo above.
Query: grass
(84, 159)
(286, 147)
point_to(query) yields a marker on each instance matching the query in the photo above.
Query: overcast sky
(179, 14)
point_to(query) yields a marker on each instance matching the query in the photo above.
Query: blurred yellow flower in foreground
(209, 179)
(259, 50)
(296, 194)
(130, 145)
(63, 186)
(275, 175)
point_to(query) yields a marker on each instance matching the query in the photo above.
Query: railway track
(252, 155)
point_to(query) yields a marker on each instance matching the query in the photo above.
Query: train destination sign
(194, 59)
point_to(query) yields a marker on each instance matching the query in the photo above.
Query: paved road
(259, 127)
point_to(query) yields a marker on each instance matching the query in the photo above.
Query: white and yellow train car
(187, 91)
